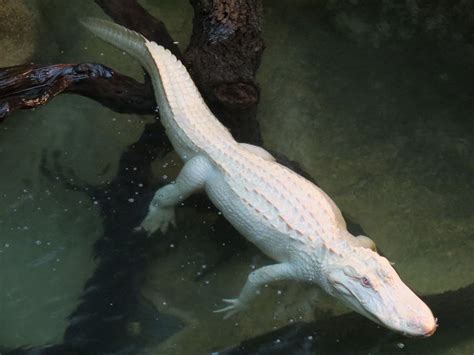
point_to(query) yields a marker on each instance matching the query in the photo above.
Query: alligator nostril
(431, 332)
(421, 327)
(424, 328)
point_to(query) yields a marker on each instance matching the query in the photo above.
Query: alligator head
(367, 283)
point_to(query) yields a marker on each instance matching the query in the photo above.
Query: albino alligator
(286, 216)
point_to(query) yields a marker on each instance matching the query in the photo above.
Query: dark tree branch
(227, 38)
(29, 86)
(223, 57)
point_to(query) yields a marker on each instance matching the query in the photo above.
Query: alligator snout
(421, 327)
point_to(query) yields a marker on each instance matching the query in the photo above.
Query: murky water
(383, 124)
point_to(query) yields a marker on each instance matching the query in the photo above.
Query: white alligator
(289, 218)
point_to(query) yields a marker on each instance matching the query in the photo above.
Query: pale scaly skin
(290, 219)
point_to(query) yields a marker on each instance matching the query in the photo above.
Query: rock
(17, 33)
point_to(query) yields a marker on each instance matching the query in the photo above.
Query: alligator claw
(234, 307)
(158, 218)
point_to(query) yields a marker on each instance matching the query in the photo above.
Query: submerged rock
(17, 33)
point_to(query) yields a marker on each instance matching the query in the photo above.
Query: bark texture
(223, 57)
(30, 86)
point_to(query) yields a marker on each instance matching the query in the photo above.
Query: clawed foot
(235, 306)
(157, 218)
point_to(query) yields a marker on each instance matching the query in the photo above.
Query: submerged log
(354, 334)
(112, 317)
(111, 304)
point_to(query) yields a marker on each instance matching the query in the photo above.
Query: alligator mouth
(344, 291)
(365, 312)
(423, 335)
(431, 332)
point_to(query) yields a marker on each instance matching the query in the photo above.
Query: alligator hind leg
(161, 213)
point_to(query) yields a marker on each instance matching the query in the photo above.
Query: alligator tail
(129, 41)
(167, 71)
(148, 53)
(181, 105)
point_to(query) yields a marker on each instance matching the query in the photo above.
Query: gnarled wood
(223, 57)
(29, 86)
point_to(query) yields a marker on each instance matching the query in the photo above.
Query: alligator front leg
(192, 178)
(255, 281)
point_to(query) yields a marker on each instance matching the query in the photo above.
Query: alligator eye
(365, 282)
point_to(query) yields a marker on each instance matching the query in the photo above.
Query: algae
(18, 40)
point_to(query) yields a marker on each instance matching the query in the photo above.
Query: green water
(385, 128)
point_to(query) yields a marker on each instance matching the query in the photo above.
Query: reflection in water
(383, 122)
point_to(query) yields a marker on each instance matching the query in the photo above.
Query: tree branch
(223, 57)
(29, 86)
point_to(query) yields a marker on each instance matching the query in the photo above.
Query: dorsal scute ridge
(188, 110)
